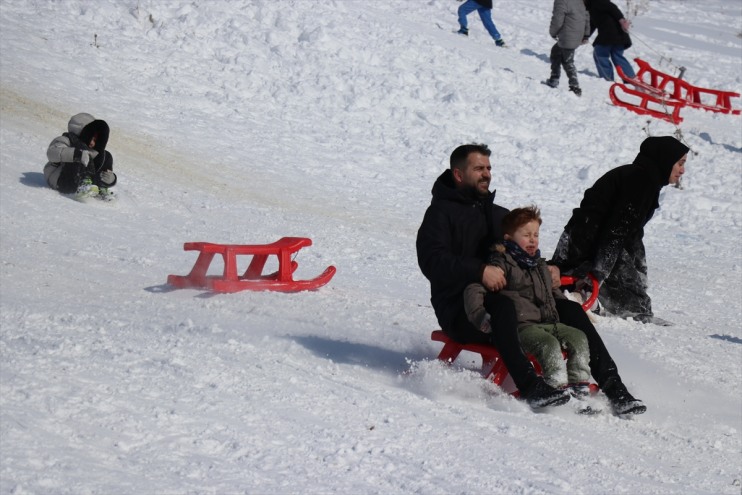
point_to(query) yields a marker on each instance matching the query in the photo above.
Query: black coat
(604, 16)
(453, 243)
(613, 212)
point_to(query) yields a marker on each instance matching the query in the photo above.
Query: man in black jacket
(613, 38)
(605, 234)
(459, 226)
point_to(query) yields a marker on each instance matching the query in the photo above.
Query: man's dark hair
(460, 154)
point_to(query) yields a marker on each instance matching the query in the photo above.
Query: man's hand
(493, 278)
(556, 276)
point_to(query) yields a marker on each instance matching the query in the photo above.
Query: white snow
(249, 120)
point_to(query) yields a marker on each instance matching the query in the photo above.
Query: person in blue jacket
(484, 9)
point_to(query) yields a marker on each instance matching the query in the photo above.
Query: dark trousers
(504, 336)
(563, 57)
(71, 174)
(624, 291)
(602, 365)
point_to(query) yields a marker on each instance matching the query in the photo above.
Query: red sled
(493, 367)
(646, 102)
(662, 95)
(253, 279)
(667, 86)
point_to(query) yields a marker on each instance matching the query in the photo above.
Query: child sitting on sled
(529, 285)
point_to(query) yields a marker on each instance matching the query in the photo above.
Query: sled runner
(668, 92)
(651, 79)
(493, 367)
(253, 279)
(645, 102)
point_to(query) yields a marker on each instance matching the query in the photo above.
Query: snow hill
(249, 120)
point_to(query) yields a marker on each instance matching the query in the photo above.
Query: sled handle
(569, 279)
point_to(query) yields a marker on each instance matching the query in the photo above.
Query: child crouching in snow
(529, 285)
(79, 163)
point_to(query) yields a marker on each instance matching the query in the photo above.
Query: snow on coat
(613, 212)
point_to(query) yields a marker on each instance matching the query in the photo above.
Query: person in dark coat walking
(484, 9)
(613, 38)
(605, 234)
(452, 244)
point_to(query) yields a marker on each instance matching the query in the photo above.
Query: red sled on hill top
(662, 96)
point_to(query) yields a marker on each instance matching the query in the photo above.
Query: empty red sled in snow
(253, 278)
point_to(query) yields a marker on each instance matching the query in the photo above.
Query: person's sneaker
(552, 83)
(86, 189)
(579, 390)
(541, 394)
(463, 32)
(580, 399)
(622, 402)
(648, 318)
(106, 194)
(500, 42)
(586, 407)
(576, 90)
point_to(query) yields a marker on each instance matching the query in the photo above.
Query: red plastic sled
(252, 279)
(493, 367)
(646, 102)
(662, 95)
(568, 280)
(651, 79)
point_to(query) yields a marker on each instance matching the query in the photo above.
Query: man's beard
(480, 194)
(474, 193)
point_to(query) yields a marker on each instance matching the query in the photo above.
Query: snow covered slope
(249, 120)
